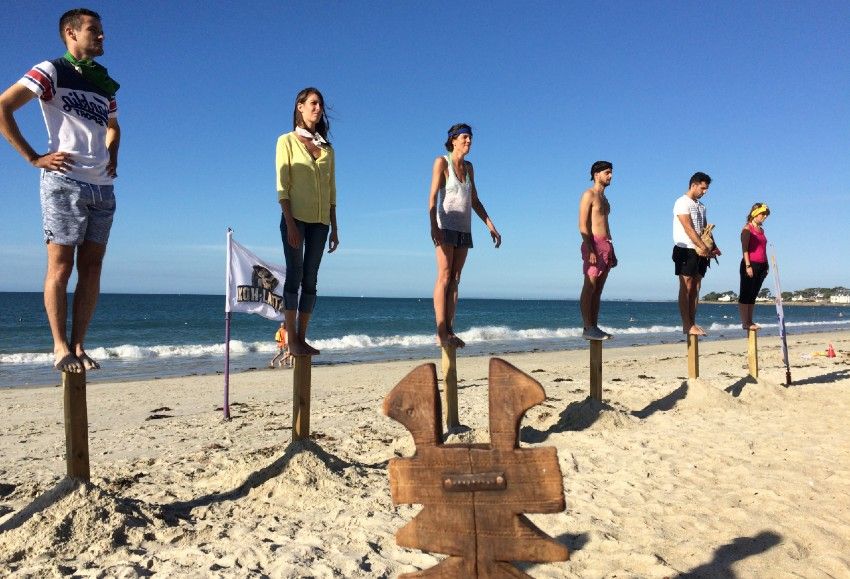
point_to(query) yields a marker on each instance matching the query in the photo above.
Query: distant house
(839, 299)
(765, 299)
(726, 298)
(798, 298)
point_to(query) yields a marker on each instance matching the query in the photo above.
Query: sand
(718, 476)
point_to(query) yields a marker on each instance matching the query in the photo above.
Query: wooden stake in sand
(301, 397)
(76, 426)
(693, 356)
(596, 370)
(450, 382)
(753, 353)
(473, 496)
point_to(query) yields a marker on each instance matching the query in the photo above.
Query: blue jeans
(302, 264)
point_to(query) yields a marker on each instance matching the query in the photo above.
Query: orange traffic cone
(830, 352)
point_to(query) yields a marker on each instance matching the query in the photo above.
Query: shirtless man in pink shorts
(597, 252)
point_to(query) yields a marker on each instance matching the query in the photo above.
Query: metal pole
(227, 365)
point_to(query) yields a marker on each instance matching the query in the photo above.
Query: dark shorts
(751, 286)
(688, 262)
(456, 238)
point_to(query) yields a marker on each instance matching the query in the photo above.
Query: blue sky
(755, 94)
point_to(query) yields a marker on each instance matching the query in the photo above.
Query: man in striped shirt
(77, 98)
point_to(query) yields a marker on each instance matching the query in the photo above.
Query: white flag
(253, 285)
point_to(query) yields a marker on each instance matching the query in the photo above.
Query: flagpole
(781, 315)
(227, 315)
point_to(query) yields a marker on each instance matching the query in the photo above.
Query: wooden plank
(752, 352)
(301, 383)
(76, 426)
(449, 366)
(512, 393)
(596, 370)
(415, 402)
(693, 356)
(482, 527)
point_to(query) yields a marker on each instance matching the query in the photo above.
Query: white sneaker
(594, 333)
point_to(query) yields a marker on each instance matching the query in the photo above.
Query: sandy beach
(720, 476)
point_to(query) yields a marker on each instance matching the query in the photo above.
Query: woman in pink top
(754, 264)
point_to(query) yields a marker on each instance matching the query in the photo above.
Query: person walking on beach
(77, 98)
(452, 197)
(754, 266)
(282, 357)
(306, 185)
(690, 253)
(597, 251)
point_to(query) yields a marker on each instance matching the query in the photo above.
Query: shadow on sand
(576, 416)
(663, 404)
(823, 379)
(726, 555)
(183, 509)
(573, 542)
(44, 501)
(738, 387)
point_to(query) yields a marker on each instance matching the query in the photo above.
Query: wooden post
(693, 356)
(301, 397)
(450, 383)
(596, 370)
(76, 426)
(752, 353)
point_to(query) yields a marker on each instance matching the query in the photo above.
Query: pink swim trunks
(603, 257)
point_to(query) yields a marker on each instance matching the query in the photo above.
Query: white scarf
(317, 139)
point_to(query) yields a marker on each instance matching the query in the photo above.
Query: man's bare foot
(87, 361)
(754, 326)
(696, 331)
(456, 342)
(68, 363)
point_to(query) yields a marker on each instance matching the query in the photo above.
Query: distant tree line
(809, 294)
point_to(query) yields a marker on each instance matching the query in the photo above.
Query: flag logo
(253, 285)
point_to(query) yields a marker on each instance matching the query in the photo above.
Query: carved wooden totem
(474, 495)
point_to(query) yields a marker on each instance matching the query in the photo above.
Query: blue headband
(461, 131)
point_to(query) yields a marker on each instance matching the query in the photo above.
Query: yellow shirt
(309, 184)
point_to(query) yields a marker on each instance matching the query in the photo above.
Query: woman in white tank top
(452, 198)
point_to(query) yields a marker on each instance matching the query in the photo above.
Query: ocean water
(147, 336)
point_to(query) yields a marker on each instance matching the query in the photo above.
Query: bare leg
(89, 266)
(688, 299)
(694, 302)
(60, 264)
(747, 317)
(459, 260)
(296, 347)
(445, 256)
(596, 298)
(683, 303)
(278, 359)
(586, 301)
(303, 322)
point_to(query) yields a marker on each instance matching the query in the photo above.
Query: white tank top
(454, 202)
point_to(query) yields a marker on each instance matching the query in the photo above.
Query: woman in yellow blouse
(306, 187)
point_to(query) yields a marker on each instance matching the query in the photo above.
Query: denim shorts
(457, 238)
(73, 211)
